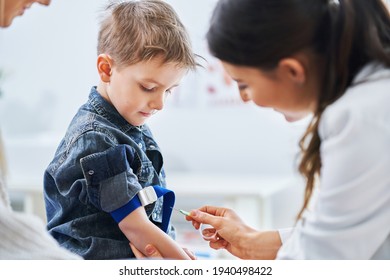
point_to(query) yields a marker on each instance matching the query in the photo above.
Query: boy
(104, 166)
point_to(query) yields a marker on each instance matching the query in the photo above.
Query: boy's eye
(147, 89)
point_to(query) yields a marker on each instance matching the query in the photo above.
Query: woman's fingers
(219, 244)
(204, 218)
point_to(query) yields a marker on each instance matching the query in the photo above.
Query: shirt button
(91, 172)
(152, 146)
(140, 145)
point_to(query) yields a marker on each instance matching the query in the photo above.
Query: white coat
(350, 218)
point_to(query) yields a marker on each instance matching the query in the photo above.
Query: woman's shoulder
(366, 101)
(370, 89)
(366, 104)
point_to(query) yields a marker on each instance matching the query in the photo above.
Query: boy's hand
(190, 254)
(151, 252)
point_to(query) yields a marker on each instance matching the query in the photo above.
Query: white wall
(48, 58)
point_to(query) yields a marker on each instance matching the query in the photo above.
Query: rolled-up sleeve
(111, 182)
(285, 234)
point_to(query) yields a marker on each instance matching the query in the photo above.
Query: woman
(330, 59)
(22, 236)
(11, 9)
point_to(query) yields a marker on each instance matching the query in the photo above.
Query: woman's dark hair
(347, 34)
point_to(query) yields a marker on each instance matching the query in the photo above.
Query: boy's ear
(104, 66)
(293, 70)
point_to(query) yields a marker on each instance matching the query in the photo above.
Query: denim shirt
(99, 166)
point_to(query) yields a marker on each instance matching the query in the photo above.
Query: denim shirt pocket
(110, 180)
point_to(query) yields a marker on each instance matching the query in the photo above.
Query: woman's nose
(245, 96)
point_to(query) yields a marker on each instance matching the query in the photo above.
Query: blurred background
(217, 149)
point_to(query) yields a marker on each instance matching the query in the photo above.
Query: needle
(201, 227)
(185, 213)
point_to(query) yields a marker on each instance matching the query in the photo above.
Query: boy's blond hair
(134, 31)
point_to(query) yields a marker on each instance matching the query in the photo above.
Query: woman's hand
(234, 235)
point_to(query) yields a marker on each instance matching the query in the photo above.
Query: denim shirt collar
(108, 111)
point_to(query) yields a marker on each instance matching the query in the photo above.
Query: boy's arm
(140, 231)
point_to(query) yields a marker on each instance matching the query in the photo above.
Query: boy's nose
(157, 103)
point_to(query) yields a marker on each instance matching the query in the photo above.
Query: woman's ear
(293, 70)
(104, 66)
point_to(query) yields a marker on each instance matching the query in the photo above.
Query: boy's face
(139, 91)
